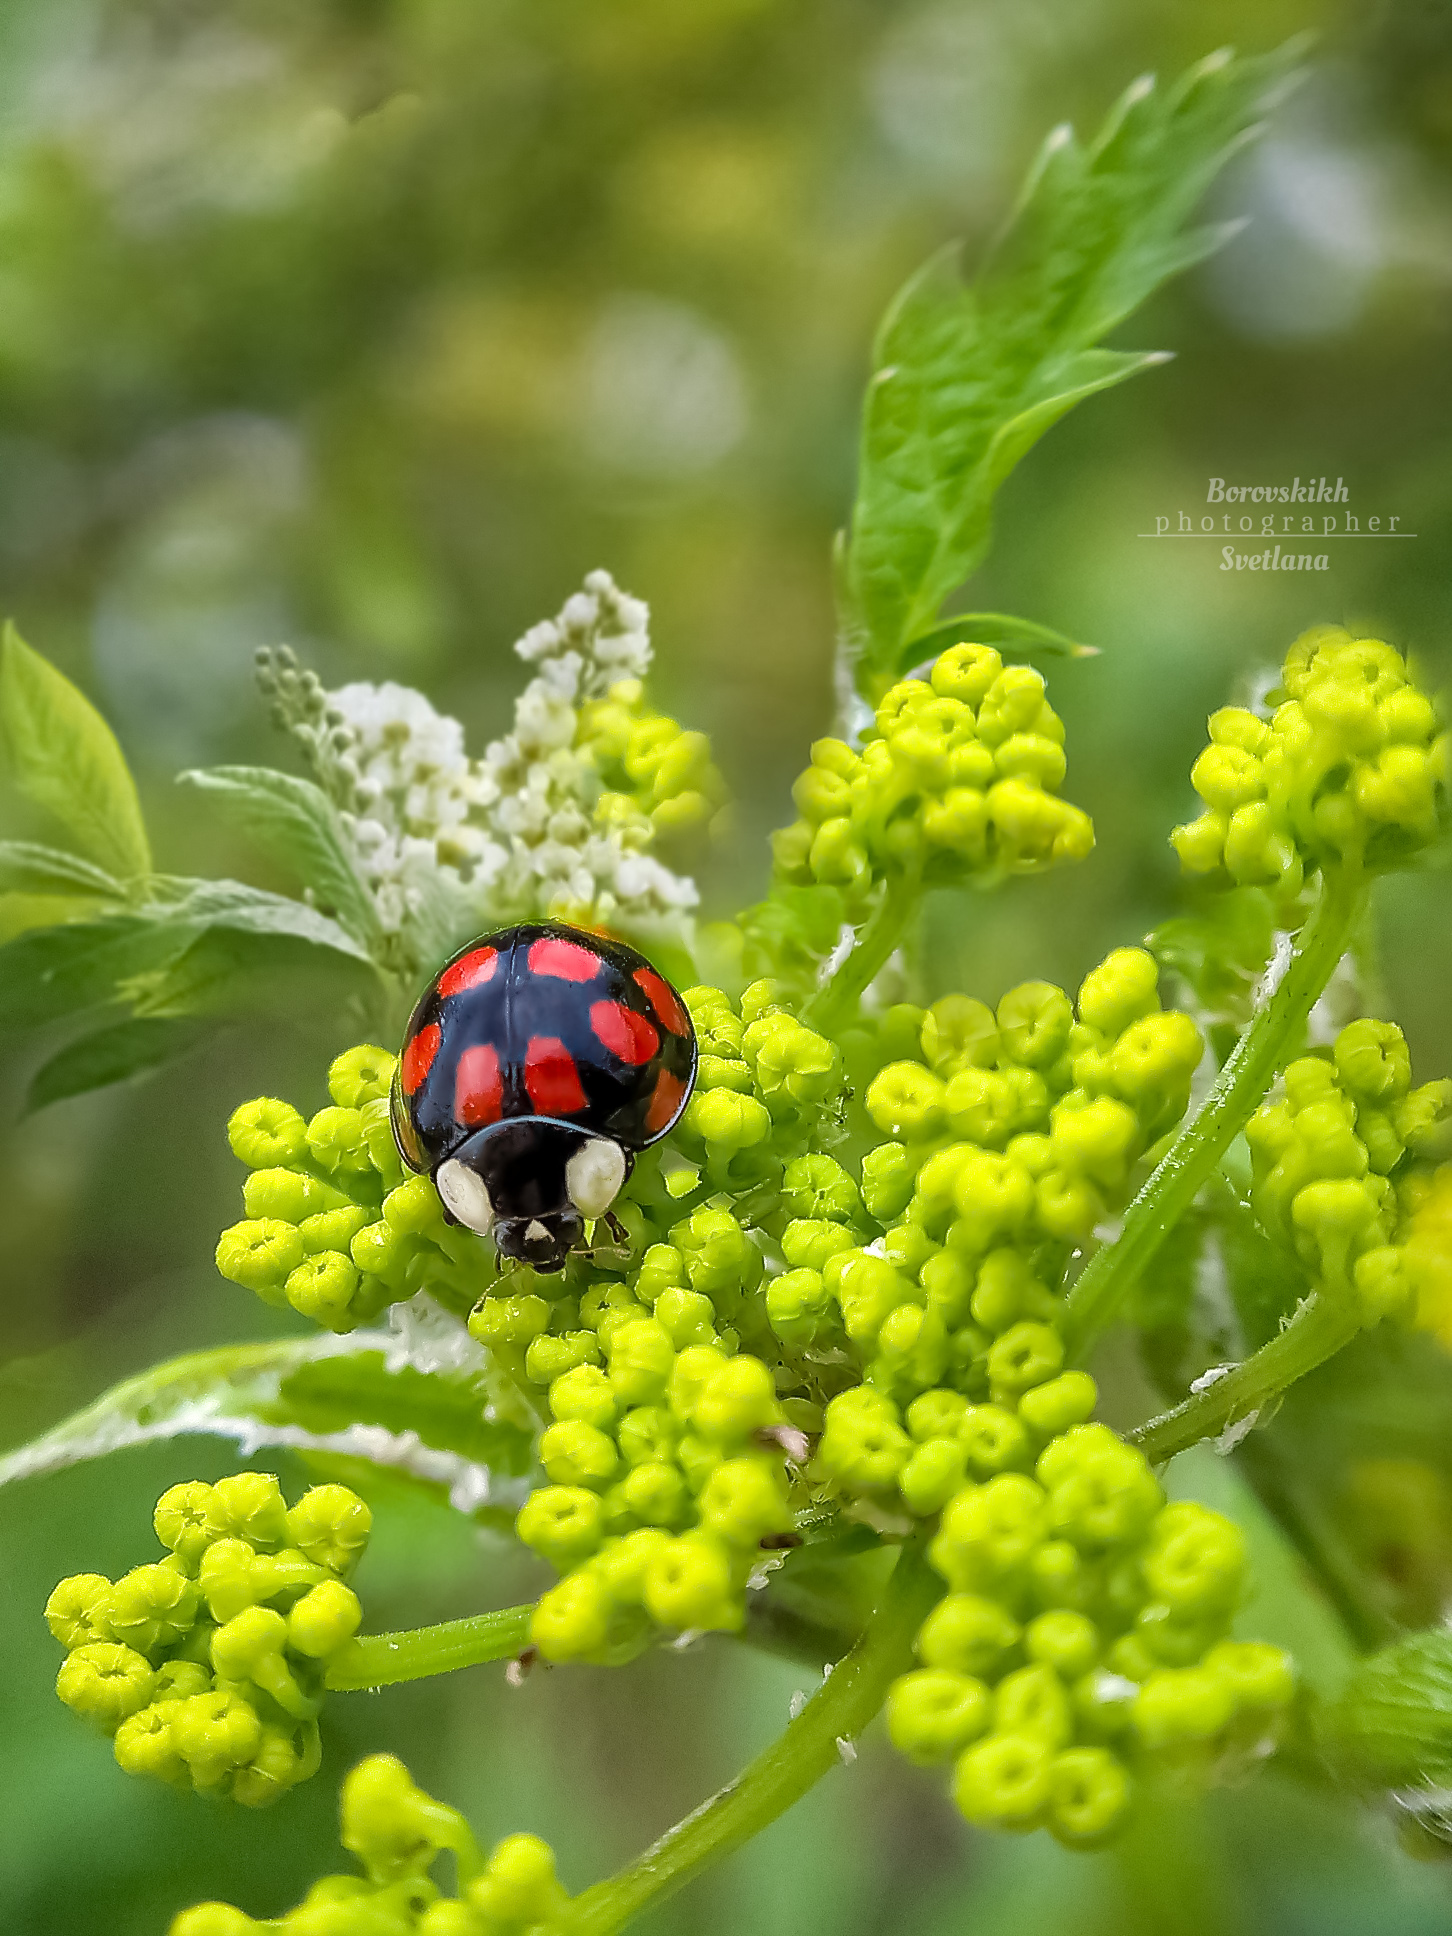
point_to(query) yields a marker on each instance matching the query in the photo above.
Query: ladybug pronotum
(539, 1061)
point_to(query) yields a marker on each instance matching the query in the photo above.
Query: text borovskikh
(1301, 522)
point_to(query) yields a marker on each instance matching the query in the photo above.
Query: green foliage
(836, 1330)
(968, 376)
(66, 759)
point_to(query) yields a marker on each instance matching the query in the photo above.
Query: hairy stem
(380, 1660)
(1110, 1275)
(875, 941)
(840, 1710)
(1320, 1327)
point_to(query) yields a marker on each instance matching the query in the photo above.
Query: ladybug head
(531, 1182)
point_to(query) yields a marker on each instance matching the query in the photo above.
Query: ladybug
(538, 1062)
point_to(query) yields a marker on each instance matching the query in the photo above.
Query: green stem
(1320, 1327)
(380, 1660)
(839, 1711)
(876, 940)
(1109, 1276)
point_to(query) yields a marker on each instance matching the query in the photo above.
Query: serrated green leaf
(968, 376)
(110, 1055)
(294, 822)
(30, 868)
(249, 910)
(50, 972)
(66, 758)
(371, 1403)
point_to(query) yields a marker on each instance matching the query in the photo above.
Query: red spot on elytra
(664, 1000)
(566, 960)
(624, 1033)
(469, 971)
(665, 1103)
(478, 1087)
(551, 1079)
(418, 1058)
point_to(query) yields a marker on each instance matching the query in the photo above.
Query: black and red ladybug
(540, 1060)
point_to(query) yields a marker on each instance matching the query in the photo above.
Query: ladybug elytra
(538, 1062)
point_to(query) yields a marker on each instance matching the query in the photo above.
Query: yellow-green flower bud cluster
(957, 778)
(768, 1089)
(658, 777)
(335, 1226)
(1324, 1159)
(1352, 766)
(665, 1481)
(397, 1833)
(207, 1667)
(1086, 1626)
(1015, 1135)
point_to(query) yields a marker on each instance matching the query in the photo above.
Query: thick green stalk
(1109, 1276)
(1320, 1327)
(839, 1711)
(379, 1660)
(876, 940)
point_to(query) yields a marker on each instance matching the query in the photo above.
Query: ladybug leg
(616, 1228)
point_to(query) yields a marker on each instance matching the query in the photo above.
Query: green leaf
(968, 376)
(19, 913)
(229, 971)
(250, 910)
(50, 972)
(30, 868)
(362, 1397)
(1024, 637)
(67, 760)
(110, 1055)
(294, 821)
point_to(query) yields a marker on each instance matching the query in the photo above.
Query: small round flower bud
(323, 1288)
(267, 1133)
(519, 1889)
(1033, 1700)
(688, 1585)
(988, 1532)
(389, 1822)
(863, 1447)
(249, 1506)
(968, 1634)
(260, 1254)
(907, 1100)
(76, 1610)
(1026, 1355)
(1051, 1408)
(576, 1454)
(212, 1919)
(152, 1607)
(933, 1713)
(563, 1524)
(323, 1619)
(1089, 1796)
(933, 1473)
(993, 1440)
(330, 1524)
(737, 1399)
(1005, 1781)
(359, 1076)
(572, 1621)
(1183, 1704)
(1034, 1022)
(743, 1501)
(105, 1682)
(640, 1355)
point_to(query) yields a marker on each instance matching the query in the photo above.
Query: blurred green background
(373, 326)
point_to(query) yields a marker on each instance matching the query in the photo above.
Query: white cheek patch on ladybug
(593, 1176)
(465, 1196)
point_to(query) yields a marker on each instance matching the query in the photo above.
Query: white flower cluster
(515, 834)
